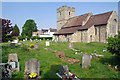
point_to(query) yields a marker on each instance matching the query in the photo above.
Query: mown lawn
(49, 63)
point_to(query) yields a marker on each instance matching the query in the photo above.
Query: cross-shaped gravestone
(13, 61)
(86, 60)
(47, 43)
(32, 66)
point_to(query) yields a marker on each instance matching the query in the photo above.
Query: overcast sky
(44, 13)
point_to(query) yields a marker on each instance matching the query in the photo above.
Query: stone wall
(63, 14)
(112, 26)
(91, 34)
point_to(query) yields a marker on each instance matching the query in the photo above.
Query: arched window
(69, 13)
(60, 13)
(115, 20)
(95, 31)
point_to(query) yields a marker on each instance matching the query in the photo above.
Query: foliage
(21, 37)
(28, 28)
(114, 44)
(6, 29)
(31, 45)
(15, 31)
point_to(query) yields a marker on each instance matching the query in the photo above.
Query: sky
(44, 13)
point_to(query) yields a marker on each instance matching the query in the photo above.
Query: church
(86, 27)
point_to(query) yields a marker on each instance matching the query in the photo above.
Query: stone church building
(86, 27)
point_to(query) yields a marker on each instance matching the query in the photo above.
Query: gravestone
(6, 71)
(86, 60)
(26, 39)
(16, 41)
(13, 61)
(12, 44)
(30, 40)
(70, 45)
(47, 43)
(23, 39)
(32, 66)
(36, 46)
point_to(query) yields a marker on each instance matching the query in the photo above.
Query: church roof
(74, 24)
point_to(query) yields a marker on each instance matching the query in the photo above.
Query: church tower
(63, 14)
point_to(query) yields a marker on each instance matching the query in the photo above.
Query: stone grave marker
(36, 46)
(12, 44)
(23, 39)
(13, 61)
(86, 59)
(47, 43)
(32, 66)
(5, 69)
(30, 40)
(70, 45)
(26, 39)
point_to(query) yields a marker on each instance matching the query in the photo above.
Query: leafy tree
(6, 29)
(28, 28)
(114, 45)
(15, 31)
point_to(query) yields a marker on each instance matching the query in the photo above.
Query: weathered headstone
(36, 46)
(47, 43)
(6, 71)
(32, 66)
(31, 40)
(70, 45)
(16, 41)
(12, 44)
(23, 39)
(86, 59)
(26, 39)
(13, 61)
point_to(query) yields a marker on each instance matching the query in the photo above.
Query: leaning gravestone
(32, 66)
(86, 60)
(13, 61)
(47, 43)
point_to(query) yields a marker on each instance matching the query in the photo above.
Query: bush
(31, 45)
(114, 44)
(21, 37)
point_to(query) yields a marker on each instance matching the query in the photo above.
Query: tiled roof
(74, 24)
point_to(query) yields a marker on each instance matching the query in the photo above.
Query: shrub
(114, 44)
(31, 45)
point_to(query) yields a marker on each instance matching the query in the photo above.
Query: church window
(95, 31)
(69, 13)
(60, 13)
(115, 20)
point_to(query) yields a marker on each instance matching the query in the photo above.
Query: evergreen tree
(15, 31)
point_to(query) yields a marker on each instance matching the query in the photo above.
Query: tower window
(115, 20)
(60, 13)
(69, 13)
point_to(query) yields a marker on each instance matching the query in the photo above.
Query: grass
(49, 63)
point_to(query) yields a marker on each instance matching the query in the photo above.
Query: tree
(28, 28)
(6, 29)
(114, 45)
(15, 31)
